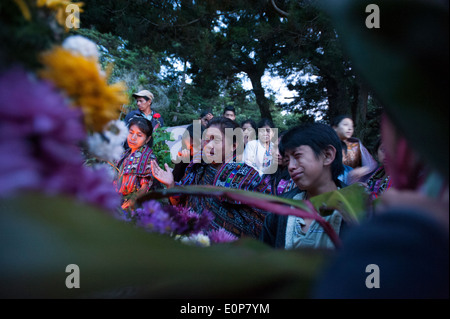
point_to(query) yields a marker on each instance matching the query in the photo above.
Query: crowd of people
(305, 161)
(302, 162)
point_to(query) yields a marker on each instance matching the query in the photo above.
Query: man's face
(230, 115)
(143, 104)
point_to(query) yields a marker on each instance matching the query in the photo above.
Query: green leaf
(42, 235)
(351, 201)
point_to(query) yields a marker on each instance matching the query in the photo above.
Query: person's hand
(164, 176)
(128, 204)
(355, 174)
(184, 156)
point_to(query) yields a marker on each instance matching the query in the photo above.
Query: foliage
(22, 39)
(160, 148)
(410, 48)
(124, 56)
(220, 41)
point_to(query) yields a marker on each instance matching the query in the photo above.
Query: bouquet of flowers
(179, 222)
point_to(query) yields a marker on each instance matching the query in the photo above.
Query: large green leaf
(351, 201)
(42, 235)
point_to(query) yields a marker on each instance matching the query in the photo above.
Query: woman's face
(344, 129)
(265, 134)
(216, 148)
(136, 138)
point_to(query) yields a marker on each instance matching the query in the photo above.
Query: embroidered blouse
(240, 220)
(134, 170)
(378, 182)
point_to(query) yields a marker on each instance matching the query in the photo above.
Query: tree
(219, 40)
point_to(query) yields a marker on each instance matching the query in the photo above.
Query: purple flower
(39, 138)
(221, 236)
(190, 222)
(155, 219)
(171, 220)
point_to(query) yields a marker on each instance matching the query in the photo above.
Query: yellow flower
(83, 82)
(24, 9)
(59, 7)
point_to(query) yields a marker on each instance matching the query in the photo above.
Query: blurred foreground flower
(59, 7)
(39, 138)
(108, 145)
(201, 240)
(221, 236)
(179, 222)
(80, 78)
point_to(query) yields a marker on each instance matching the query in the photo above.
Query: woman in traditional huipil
(354, 154)
(216, 165)
(134, 176)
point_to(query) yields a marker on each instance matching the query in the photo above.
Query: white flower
(108, 146)
(197, 239)
(81, 45)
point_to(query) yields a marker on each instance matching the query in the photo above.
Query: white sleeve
(249, 156)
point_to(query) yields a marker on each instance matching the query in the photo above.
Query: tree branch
(281, 12)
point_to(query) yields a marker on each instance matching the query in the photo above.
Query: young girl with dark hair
(354, 154)
(134, 176)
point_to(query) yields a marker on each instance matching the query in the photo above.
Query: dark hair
(377, 145)
(251, 122)
(229, 108)
(144, 125)
(265, 122)
(338, 119)
(144, 97)
(318, 136)
(204, 113)
(223, 123)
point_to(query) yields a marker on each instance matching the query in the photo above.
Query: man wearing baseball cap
(144, 101)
